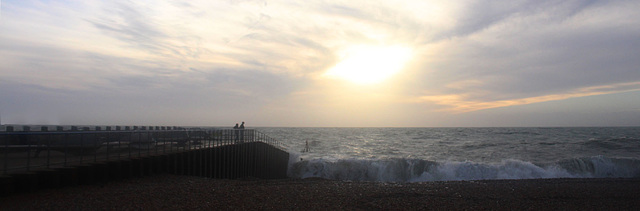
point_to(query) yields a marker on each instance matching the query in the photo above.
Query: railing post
(149, 140)
(6, 152)
(25, 139)
(81, 147)
(225, 161)
(109, 135)
(48, 137)
(65, 138)
(129, 136)
(95, 141)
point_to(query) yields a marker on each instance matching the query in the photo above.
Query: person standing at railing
(237, 132)
(242, 132)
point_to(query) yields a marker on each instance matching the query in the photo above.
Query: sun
(370, 64)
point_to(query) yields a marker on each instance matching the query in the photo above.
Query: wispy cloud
(242, 55)
(536, 55)
(461, 104)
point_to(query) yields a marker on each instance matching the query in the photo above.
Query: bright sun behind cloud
(369, 64)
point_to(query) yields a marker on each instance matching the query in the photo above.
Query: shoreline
(164, 192)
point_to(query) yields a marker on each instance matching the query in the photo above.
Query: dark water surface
(428, 154)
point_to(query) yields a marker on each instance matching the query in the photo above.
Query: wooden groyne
(32, 160)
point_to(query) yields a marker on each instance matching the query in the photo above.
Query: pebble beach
(175, 192)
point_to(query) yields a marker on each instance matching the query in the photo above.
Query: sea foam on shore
(417, 170)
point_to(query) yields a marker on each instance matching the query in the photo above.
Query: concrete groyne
(205, 153)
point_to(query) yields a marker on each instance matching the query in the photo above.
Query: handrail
(33, 150)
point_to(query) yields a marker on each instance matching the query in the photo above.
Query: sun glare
(370, 65)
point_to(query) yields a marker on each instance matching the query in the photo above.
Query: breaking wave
(416, 170)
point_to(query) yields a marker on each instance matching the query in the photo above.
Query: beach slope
(168, 192)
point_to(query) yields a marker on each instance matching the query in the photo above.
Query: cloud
(473, 17)
(461, 104)
(140, 28)
(533, 57)
(163, 56)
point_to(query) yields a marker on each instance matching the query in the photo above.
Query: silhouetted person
(236, 131)
(306, 147)
(242, 132)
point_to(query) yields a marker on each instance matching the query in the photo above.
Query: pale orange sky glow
(457, 104)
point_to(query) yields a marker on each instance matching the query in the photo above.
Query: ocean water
(437, 154)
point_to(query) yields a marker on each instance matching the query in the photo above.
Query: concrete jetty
(33, 160)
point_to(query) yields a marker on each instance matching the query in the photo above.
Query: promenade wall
(213, 154)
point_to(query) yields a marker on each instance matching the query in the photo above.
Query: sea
(443, 154)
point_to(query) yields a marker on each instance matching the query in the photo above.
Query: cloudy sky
(320, 63)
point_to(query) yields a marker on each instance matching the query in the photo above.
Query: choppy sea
(436, 154)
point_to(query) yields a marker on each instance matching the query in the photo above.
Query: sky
(320, 63)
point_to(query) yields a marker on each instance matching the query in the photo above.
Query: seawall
(233, 161)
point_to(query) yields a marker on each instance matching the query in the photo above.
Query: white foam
(415, 170)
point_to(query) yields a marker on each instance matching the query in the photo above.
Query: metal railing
(32, 150)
